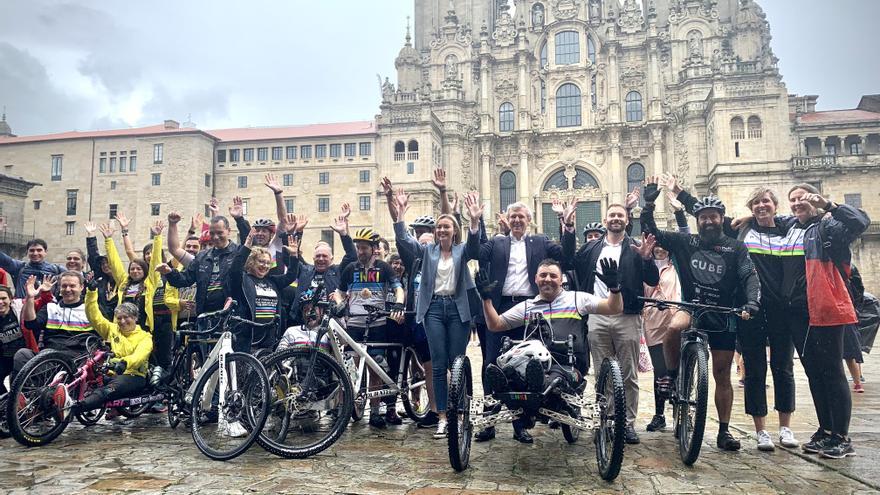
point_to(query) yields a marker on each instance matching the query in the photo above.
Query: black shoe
(630, 436)
(817, 442)
(485, 435)
(496, 379)
(377, 421)
(429, 421)
(534, 376)
(837, 447)
(391, 417)
(523, 436)
(726, 441)
(658, 422)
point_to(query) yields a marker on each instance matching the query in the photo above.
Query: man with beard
(714, 269)
(615, 335)
(513, 264)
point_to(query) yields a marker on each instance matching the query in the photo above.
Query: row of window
(287, 179)
(738, 128)
(290, 152)
(568, 108)
(126, 161)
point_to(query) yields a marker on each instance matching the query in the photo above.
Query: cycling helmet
(264, 223)
(594, 227)
(310, 294)
(709, 203)
(520, 355)
(425, 221)
(365, 234)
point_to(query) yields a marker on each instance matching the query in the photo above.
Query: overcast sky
(229, 63)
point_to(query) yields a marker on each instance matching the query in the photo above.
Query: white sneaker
(765, 444)
(441, 429)
(233, 430)
(786, 438)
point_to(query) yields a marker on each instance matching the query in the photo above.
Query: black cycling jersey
(717, 273)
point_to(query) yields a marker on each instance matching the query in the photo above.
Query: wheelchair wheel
(131, 412)
(91, 418)
(458, 413)
(609, 437)
(415, 401)
(571, 433)
(29, 409)
(692, 401)
(4, 425)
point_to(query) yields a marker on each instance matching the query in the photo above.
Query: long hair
(456, 228)
(144, 267)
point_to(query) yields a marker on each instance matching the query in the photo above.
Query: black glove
(337, 309)
(485, 286)
(397, 308)
(752, 308)
(92, 282)
(652, 192)
(118, 366)
(608, 276)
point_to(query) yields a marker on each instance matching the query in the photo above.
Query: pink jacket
(654, 320)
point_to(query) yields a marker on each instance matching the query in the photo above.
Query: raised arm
(475, 209)
(93, 313)
(277, 191)
(173, 240)
(92, 253)
(156, 258)
(388, 191)
(124, 222)
(439, 181)
(116, 269)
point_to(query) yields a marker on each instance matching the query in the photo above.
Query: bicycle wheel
(131, 412)
(225, 432)
(415, 398)
(693, 396)
(31, 415)
(181, 379)
(458, 414)
(360, 400)
(571, 433)
(310, 403)
(91, 418)
(609, 438)
(4, 425)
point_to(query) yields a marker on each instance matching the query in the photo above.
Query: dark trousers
(117, 387)
(163, 341)
(493, 350)
(659, 364)
(821, 351)
(774, 327)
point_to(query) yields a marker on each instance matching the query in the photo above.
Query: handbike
(690, 395)
(572, 407)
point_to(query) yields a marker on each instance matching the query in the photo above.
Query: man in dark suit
(513, 263)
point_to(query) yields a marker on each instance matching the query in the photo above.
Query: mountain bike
(690, 394)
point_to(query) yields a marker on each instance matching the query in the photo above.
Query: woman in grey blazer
(442, 300)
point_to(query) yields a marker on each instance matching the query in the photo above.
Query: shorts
(722, 341)
(377, 334)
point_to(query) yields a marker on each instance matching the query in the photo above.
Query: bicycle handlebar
(690, 307)
(379, 312)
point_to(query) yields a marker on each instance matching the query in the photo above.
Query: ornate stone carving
(538, 16)
(632, 77)
(505, 31)
(595, 10)
(695, 44)
(506, 89)
(566, 9)
(631, 18)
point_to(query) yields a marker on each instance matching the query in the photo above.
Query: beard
(710, 233)
(616, 226)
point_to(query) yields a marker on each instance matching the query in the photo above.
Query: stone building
(523, 100)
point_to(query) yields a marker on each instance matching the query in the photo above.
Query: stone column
(611, 82)
(655, 109)
(525, 185)
(616, 195)
(486, 178)
(659, 169)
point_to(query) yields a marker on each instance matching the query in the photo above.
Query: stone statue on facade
(387, 90)
(695, 45)
(595, 10)
(538, 16)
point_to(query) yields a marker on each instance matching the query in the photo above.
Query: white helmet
(519, 356)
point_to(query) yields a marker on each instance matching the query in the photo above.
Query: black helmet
(424, 221)
(315, 293)
(594, 227)
(709, 203)
(264, 223)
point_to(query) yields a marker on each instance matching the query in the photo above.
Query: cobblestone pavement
(145, 455)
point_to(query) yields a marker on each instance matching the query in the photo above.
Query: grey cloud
(205, 105)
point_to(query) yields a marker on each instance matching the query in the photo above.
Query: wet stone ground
(145, 455)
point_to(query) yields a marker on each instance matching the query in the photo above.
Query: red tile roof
(135, 131)
(839, 116)
(291, 132)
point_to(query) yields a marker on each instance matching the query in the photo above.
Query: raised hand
(340, 225)
(290, 224)
(158, 227)
(387, 188)
(250, 239)
(485, 286)
(273, 184)
(30, 286)
(346, 210)
(301, 222)
(106, 230)
(557, 206)
(48, 283)
(214, 207)
(652, 189)
(401, 197)
(646, 248)
(670, 182)
(503, 226)
(164, 268)
(123, 221)
(439, 179)
(456, 204)
(608, 275)
(569, 212)
(196, 223)
(815, 200)
(673, 202)
(91, 228)
(632, 199)
(237, 208)
(474, 205)
(173, 217)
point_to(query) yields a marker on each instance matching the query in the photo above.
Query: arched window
(412, 148)
(591, 49)
(505, 117)
(559, 181)
(507, 188)
(544, 54)
(633, 106)
(635, 177)
(583, 179)
(755, 130)
(568, 106)
(399, 151)
(587, 211)
(737, 129)
(568, 49)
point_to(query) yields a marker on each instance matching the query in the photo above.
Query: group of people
(787, 275)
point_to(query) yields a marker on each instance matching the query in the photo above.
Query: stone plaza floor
(145, 455)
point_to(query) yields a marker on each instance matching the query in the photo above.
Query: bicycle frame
(218, 353)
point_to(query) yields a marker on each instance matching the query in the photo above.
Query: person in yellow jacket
(131, 346)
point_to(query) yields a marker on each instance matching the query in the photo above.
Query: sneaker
(817, 442)
(630, 436)
(726, 441)
(765, 444)
(496, 379)
(233, 429)
(485, 435)
(837, 447)
(392, 418)
(62, 402)
(430, 419)
(786, 438)
(862, 379)
(858, 388)
(377, 421)
(658, 423)
(534, 376)
(442, 427)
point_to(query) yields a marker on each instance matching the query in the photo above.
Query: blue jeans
(447, 339)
